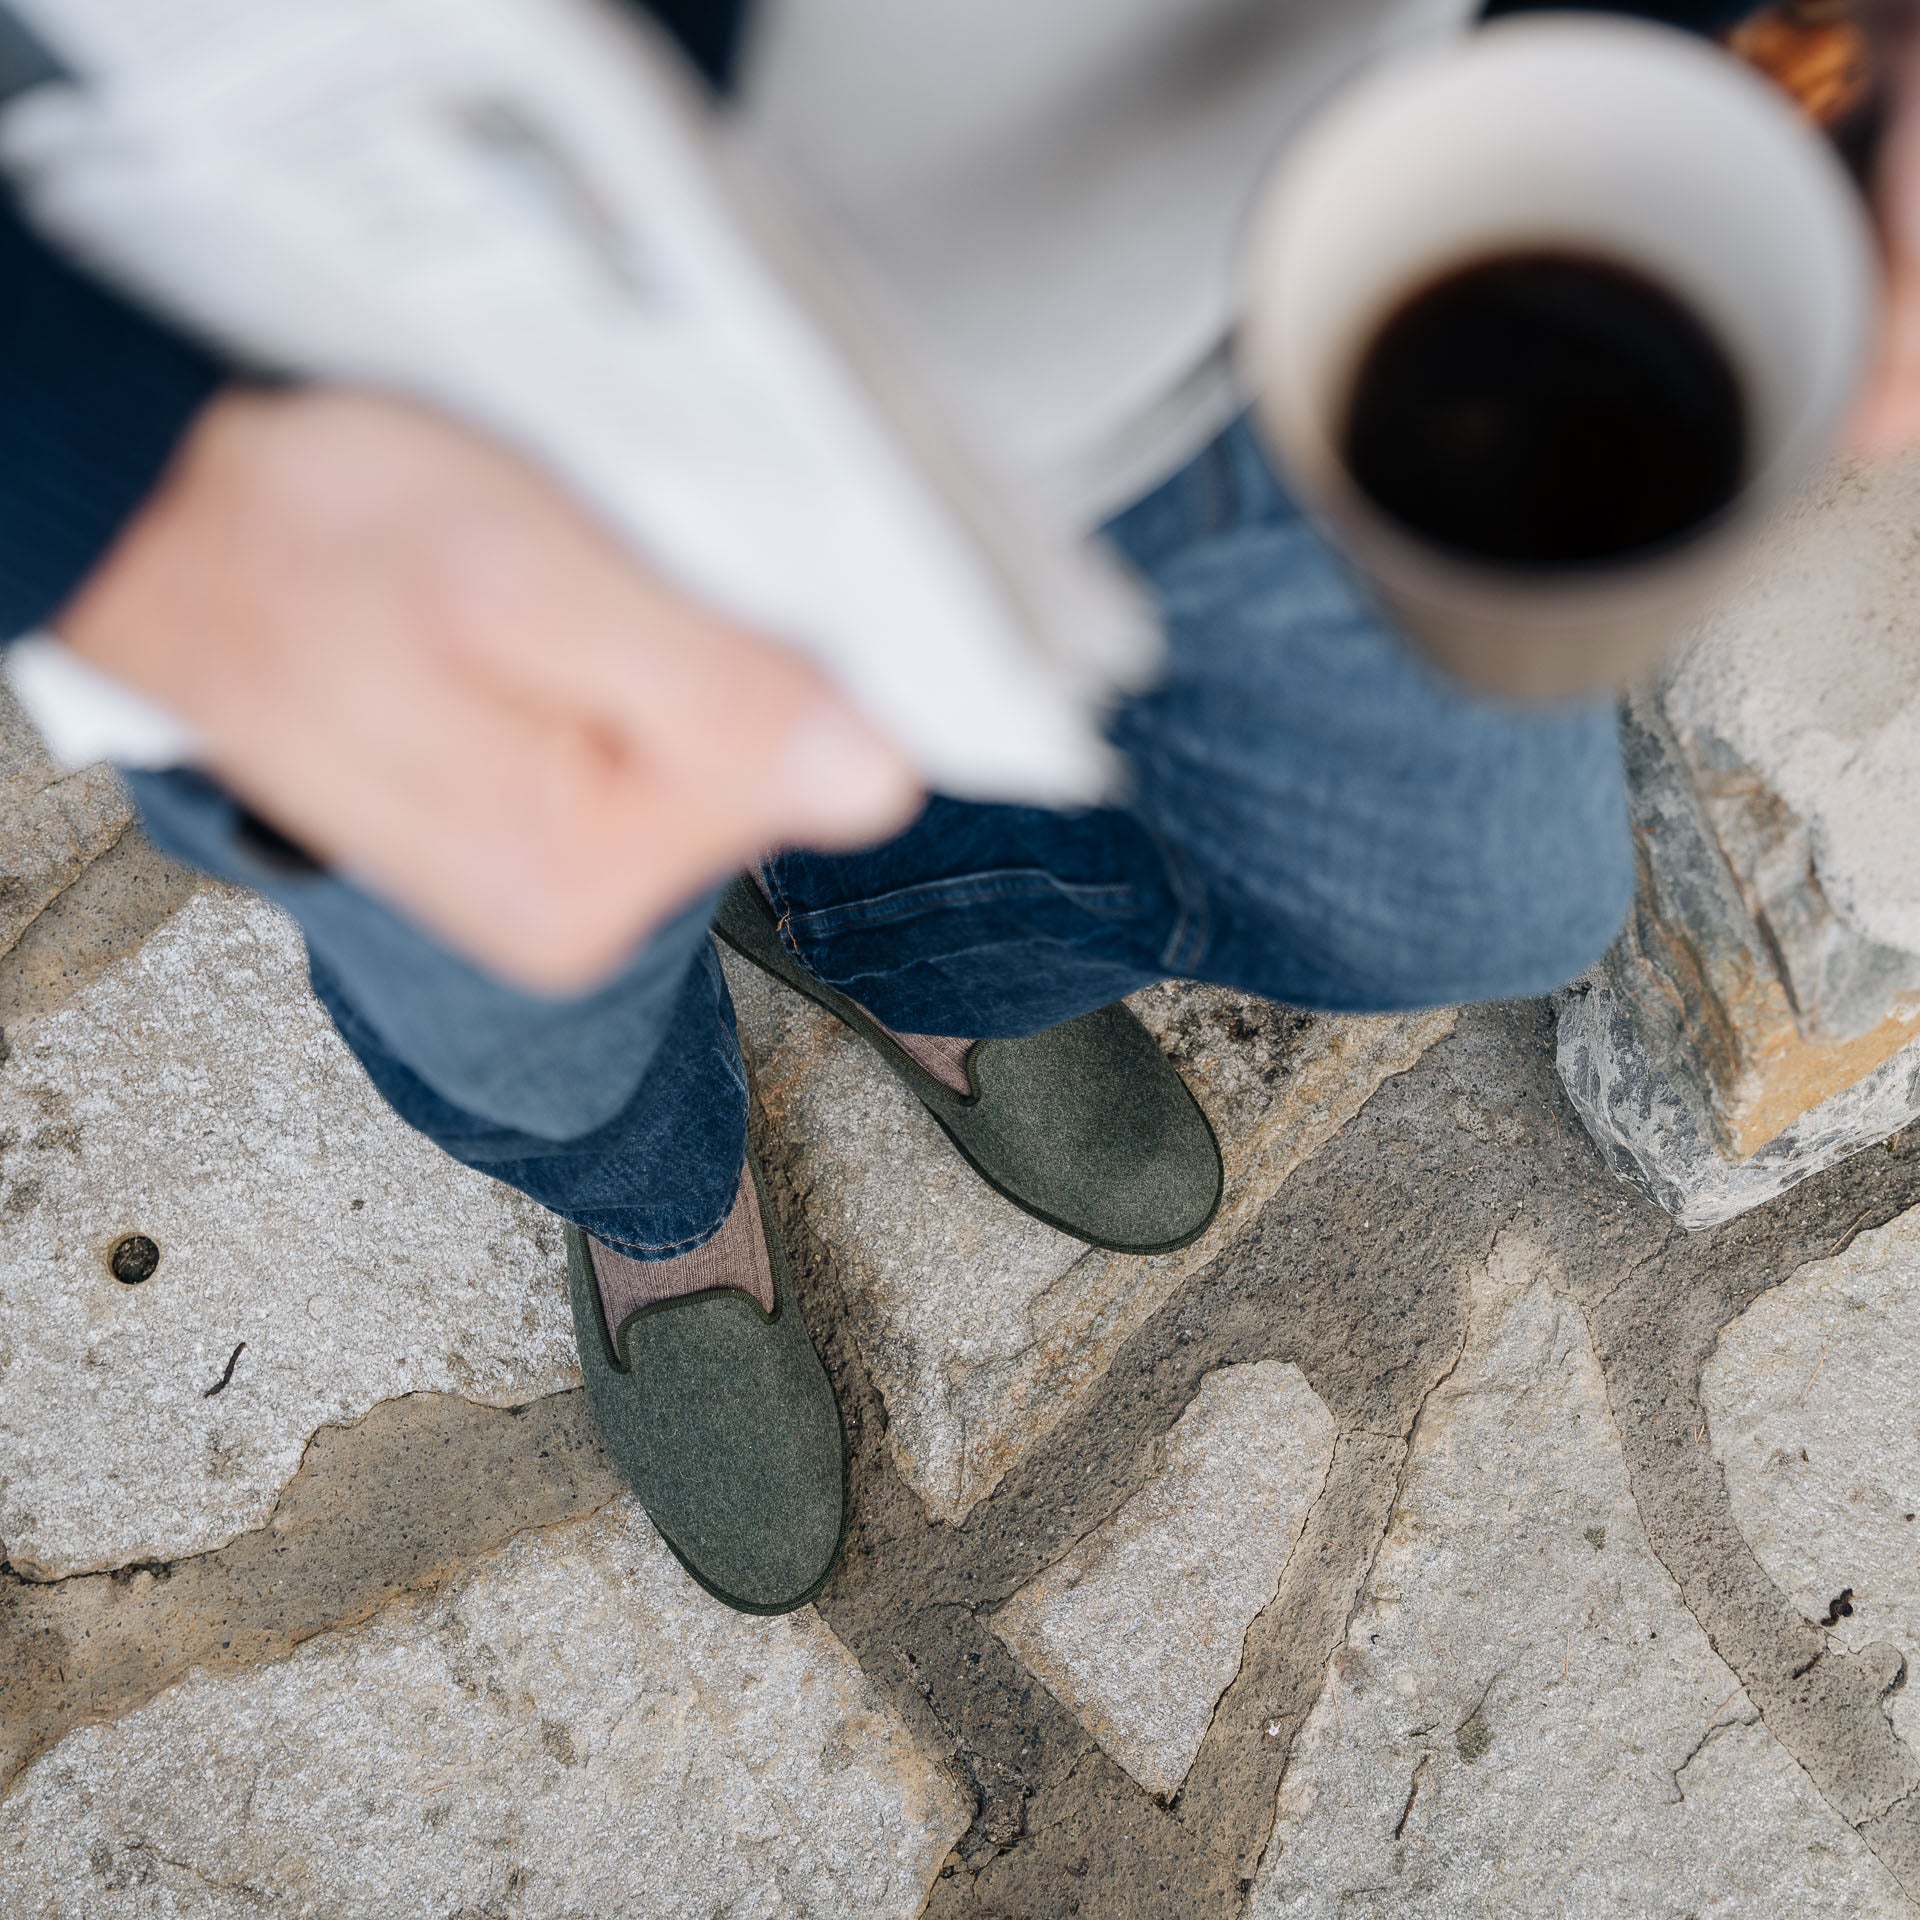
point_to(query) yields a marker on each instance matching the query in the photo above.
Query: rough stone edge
(68, 825)
(1387, 1046)
(1841, 982)
(1652, 1135)
(395, 1503)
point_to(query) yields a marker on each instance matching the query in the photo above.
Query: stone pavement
(1758, 1020)
(1449, 1533)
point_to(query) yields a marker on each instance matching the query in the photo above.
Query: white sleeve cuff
(84, 715)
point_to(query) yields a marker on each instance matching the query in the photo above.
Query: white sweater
(1048, 194)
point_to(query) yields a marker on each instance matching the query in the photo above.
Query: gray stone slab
(571, 1729)
(196, 1093)
(1648, 1123)
(981, 1327)
(1811, 1407)
(1523, 1718)
(48, 839)
(399, 1503)
(1138, 1630)
(1758, 1018)
(1800, 701)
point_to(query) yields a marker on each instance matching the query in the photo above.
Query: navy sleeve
(94, 396)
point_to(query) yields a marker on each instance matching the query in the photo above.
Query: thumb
(793, 764)
(1888, 418)
(746, 745)
(835, 780)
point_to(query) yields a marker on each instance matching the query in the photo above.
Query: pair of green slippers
(722, 1416)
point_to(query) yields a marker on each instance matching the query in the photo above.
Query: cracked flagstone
(1523, 1718)
(49, 838)
(52, 823)
(982, 1328)
(195, 1093)
(1812, 1411)
(572, 1729)
(1138, 1629)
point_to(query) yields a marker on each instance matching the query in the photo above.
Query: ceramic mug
(1570, 133)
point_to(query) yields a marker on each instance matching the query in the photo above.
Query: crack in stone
(1362, 1310)
(1413, 1793)
(1654, 1331)
(404, 1499)
(244, 1888)
(1715, 1729)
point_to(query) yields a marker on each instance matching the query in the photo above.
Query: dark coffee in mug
(1547, 410)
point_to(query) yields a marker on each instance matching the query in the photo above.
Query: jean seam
(783, 916)
(691, 1244)
(1109, 900)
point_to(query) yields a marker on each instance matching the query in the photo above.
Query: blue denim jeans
(1314, 816)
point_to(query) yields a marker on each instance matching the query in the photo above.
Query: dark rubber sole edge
(758, 1609)
(1073, 1233)
(909, 1074)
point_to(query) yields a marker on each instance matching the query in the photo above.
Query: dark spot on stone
(159, 1569)
(133, 1259)
(1003, 1819)
(1473, 1737)
(358, 1204)
(25, 1193)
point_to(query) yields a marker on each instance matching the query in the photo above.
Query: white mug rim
(1309, 451)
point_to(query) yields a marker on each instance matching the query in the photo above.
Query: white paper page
(506, 208)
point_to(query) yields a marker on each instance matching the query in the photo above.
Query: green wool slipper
(724, 1421)
(1086, 1126)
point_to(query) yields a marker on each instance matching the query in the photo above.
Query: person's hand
(1889, 417)
(411, 653)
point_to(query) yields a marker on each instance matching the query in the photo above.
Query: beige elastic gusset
(942, 1055)
(944, 1058)
(736, 1257)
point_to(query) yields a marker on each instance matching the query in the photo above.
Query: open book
(523, 212)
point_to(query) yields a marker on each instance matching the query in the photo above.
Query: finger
(548, 854)
(1888, 415)
(557, 612)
